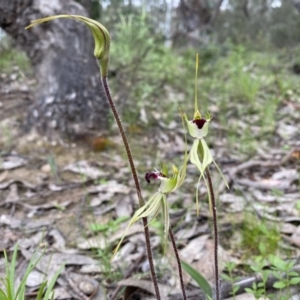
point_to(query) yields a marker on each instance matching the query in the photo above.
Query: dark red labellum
(199, 122)
(153, 175)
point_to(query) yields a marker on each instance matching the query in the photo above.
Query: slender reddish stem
(216, 234)
(136, 182)
(178, 263)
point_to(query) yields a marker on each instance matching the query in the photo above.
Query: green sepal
(166, 217)
(151, 208)
(100, 34)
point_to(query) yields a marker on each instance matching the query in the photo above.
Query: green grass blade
(201, 281)
(52, 283)
(41, 290)
(12, 270)
(3, 295)
(32, 263)
(20, 294)
(10, 273)
(8, 287)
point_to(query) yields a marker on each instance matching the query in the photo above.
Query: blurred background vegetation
(249, 60)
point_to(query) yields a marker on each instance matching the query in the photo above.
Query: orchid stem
(178, 263)
(136, 182)
(216, 234)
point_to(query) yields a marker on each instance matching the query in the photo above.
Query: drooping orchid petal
(158, 202)
(201, 159)
(100, 34)
(149, 209)
(166, 217)
(200, 154)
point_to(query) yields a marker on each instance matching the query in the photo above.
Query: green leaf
(249, 291)
(230, 266)
(226, 277)
(294, 281)
(278, 263)
(96, 227)
(235, 288)
(260, 284)
(279, 285)
(201, 281)
(120, 220)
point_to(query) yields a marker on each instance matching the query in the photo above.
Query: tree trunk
(69, 99)
(193, 18)
(297, 5)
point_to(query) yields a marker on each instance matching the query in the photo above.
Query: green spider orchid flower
(158, 201)
(100, 34)
(200, 154)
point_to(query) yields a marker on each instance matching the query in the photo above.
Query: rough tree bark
(68, 98)
(196, 16)
(297, 4)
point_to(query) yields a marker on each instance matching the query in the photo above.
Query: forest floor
(74, 203)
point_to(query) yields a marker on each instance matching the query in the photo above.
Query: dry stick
(136, 181)
(216, 235)
(178, 263)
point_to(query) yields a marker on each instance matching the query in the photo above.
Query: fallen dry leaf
(295, 238)
(12, 162)
(87, 169)
(147, 285)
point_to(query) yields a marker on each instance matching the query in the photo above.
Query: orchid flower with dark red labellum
(158, 202)
(200, 154)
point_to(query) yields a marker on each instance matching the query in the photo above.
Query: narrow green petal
(209, 196)
(205, 154)
(197, 195)
(222, 175)
(166, 216)
(201, 149)
(196, 161)
(120, 243)
(148, 209)
(182, 172)
(100, 34)
(155, 212)
(194, 157)
(154, 206)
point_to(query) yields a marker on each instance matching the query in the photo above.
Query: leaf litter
(52, 210)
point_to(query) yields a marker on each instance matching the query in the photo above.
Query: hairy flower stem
(178, 263)
(216, 234)
(136, 182)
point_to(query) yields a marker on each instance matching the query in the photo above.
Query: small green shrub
(259, 237)
(11, 56)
